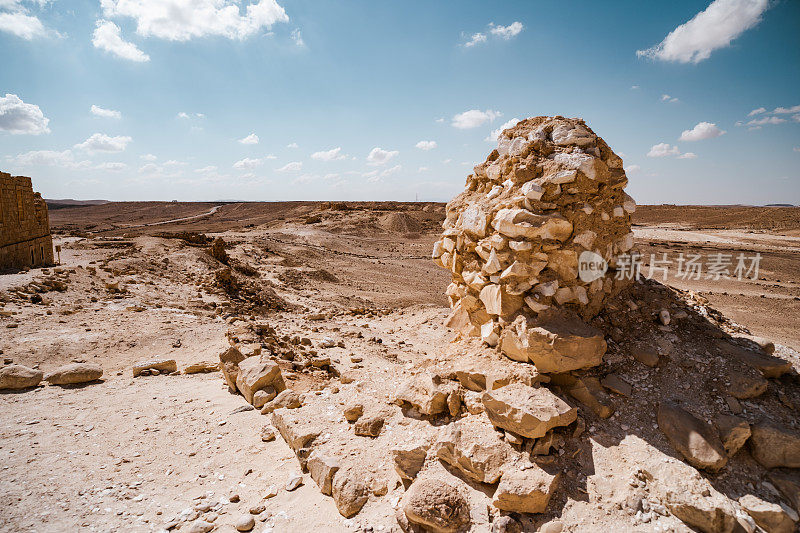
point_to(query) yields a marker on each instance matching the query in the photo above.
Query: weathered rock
(350, 490)
(164, 366)
(287, 398)
(428, 395)
(525, 490)
(693, 438)
(200, 526)
(588, 391)
(296, 432)
(322, 468)
(294, 482)
(436, 505)
(74, 373)
(15, 377)
(256, 373)
(556, 344)
(769, 366)
(616, 384)
(369, 426)
(353, 410)
(745, 385)
(267, 434)
(691, 498)
(472, 446)
(229, 365)
(262, 396)
(733, 431)
(774, 446)
(506, 524)
(770, 516)
(527, 411)
(202, 367)
(409, 459)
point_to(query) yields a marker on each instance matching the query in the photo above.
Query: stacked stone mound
(551, 195)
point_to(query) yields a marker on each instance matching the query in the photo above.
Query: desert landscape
(297, 366)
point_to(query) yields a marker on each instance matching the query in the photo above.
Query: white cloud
(474, 118)
(796, 149)
(298, 38)
(507, 32)
(426, 145)
(688, 155)
(250, 139)
(495, 134)
(447, 161)
(375, 176)
(667, 98)
(439, 120)
(634, 87)
(476, 38)
(100, 142)
(247, 163)
(663, 150)
(153, 171)
(22, 25)
(182, 20)
(379, 156)
(292, 145)
(210, 169)
(632, 169)
(796, 118)
(766, 120)
(148, 157)
(422, 169)
(294, 166)
(329, 155)
(757, 111)
(44, 157)
(106, 113)
(712, 29)
(703, 130)
(787, 110)
(107, 36)
(112, 166)
(17, 117)
(183, 114)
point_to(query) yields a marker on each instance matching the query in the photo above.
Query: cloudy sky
(301, 99)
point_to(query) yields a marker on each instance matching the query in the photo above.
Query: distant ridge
(67, 203)
(780, 205)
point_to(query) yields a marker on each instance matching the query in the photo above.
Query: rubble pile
(529, 240)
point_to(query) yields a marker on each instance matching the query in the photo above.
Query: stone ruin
(533, 240)
(25, 239)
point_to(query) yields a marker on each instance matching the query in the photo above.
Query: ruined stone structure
(533, 240)
(25, 239)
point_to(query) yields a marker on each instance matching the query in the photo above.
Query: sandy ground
(140, 454)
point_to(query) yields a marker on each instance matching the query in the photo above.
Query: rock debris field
(394, 367)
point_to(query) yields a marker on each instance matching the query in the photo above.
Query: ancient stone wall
(25, 239)
(546, 205)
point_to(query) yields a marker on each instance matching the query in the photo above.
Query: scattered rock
(294, 481)
(527, 411)
(353, 410)
(263, 396)
(267, 434)
(745, 385)
(202, 367)
(200, 526)
(506, 524)
(245, 522)
(256, 373)
(229, 365)
(409, 460)
(428, 394)
(646, 356)
(74, 373)
(473, 446)
(163, 366)
(788, 485)
(436, 505)
(288, 399)
(322, 469)
(614, 383)
(15, 377)
(693, 438)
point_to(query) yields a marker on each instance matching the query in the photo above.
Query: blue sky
(392, 100)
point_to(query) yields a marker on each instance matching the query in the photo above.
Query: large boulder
(15, 377)
(693, 438)
(74, 373)
(525, 490)
(772, 517)
(256, 373)
(473, 446)
(436, 506)
(350, 490)
(322, 468)
(559, 343)
(774, 446)
(527, 411)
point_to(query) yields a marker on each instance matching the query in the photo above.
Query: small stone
(770, 516)
(774, 446)
(663, 317)
(271, 492)
(733, 431)
(200, 526)
(234, 498)
(350, 491)
(553, 526)
(409, 459)
(245, 522)
(295, 480)
(353, 411)
(155, 367)
(369, 426)
(267, 434)
(436, 505)
(525, 491)
(614, 383)
(646, 356)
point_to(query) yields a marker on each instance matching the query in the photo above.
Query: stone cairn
(546, 206)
